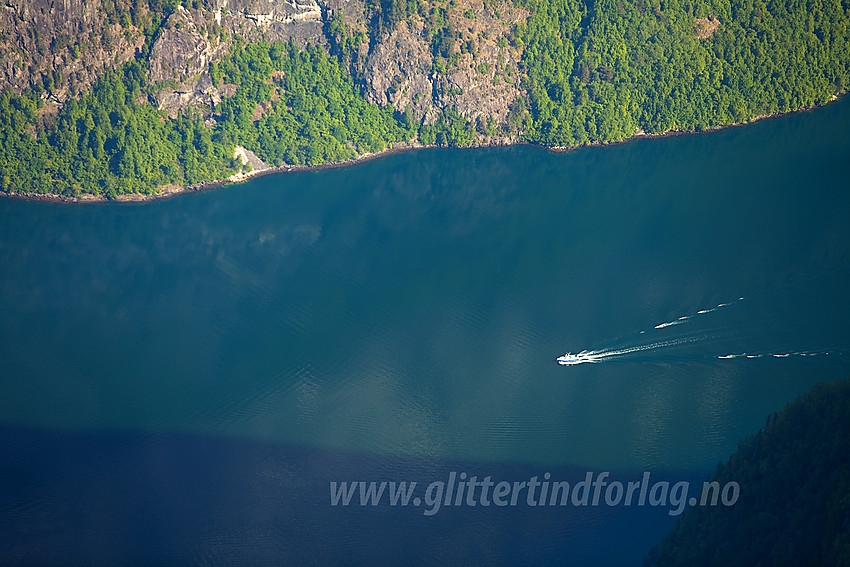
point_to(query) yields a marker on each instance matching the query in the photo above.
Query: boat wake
(601, 355)
(772, 355)
(711, 334)
(685, 318)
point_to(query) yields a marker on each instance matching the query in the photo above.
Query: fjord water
(182, 379)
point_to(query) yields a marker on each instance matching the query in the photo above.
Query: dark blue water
(181, 380)
(107, 499)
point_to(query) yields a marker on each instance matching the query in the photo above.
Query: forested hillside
(584, 71)
(599, 70)
(794, 507)
(110, 143)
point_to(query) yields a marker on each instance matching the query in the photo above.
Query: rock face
(399, 70)
(477, 73)
(181, 58)
(481, 86)
(191, 39)
(65, 45)
(62, 45)
(273, 20)
(185, 47)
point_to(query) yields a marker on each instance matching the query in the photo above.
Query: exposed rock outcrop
(62, 46)
(273, 20)
(181, 59)
(185, 47)
(705, 27)
(399, 70)
(478, 73)
(191, 39)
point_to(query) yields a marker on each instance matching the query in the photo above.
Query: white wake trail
(600, 355)
(772, 355)
(684, 318)
(593, 356)
(603, 354)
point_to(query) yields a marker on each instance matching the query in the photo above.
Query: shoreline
(174, 190)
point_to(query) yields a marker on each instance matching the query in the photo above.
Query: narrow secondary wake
(616, 351)
(606, 354)
(684, 318)
(772, 355)
(601, 355)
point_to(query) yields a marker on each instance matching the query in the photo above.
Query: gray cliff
(63, 46)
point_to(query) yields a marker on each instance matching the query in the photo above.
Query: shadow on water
(110, 498)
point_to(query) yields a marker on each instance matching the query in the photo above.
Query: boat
(570, 359)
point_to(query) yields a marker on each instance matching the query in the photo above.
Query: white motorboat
(570, 359)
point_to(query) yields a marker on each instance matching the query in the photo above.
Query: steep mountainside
(105, 97)
(794, 505)
(62, 47)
